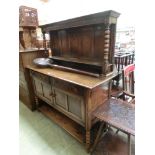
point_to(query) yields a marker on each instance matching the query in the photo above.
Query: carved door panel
(47, 91)
(60, 99)
(76, 107)
(38, 86)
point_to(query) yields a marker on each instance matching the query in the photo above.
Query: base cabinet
(67, 101)
(76, 107)
(60, 99)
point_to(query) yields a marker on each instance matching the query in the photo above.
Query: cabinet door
(47, 91)
(60, 99)
(38, 86)
(76, 107)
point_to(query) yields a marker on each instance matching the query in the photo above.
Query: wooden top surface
(76, 78)
(117, 113)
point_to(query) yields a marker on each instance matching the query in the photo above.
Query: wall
(56, 10)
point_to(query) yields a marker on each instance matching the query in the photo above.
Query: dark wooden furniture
(128, 82)
(119, 114)
(26, 94)
(122, 59)
(28, 17)
(85, 43)
(68, 98)
(71, 94)
(28, 22)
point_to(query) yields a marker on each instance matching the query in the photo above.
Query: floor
(40, 136)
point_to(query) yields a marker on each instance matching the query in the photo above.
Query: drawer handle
(52, 94)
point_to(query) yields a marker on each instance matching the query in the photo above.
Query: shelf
(64, 122)
(76, 60)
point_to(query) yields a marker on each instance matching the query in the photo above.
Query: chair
(120, 115)
(122, 59)
(128, 84)
(118, 112)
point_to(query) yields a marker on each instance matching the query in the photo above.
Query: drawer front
(68, 87)
(41, 77)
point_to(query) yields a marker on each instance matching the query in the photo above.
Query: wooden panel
(41, 77)
(87, 43)
(68, 87)
(63, 37)
(38, 86)
(22, 81)
(55, 43)
(75, 43)
(76, 107)
(99, 42)
(47, 91)
(60, 98)
(28, 57)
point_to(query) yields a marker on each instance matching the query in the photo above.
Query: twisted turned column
(36, 100)
(44, 44)
(44, 41)
(106, 49)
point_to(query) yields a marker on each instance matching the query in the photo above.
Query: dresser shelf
(64, 122)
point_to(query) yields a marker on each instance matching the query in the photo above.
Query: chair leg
(129, 144)
(99, 133)
(117, 131)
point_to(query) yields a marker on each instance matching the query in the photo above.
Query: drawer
(68, 87)
(40, 76)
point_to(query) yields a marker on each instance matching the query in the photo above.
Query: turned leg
(87, 140)
(36, 100)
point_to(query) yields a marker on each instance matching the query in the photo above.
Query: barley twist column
(44, 44)
(44, 41)
(36, 100)
(106, 48)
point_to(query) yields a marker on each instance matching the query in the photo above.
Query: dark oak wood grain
(26, 93)
(88, 39)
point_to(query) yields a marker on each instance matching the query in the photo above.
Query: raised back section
(88, 39)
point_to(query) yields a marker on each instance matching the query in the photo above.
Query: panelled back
(86, 43)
